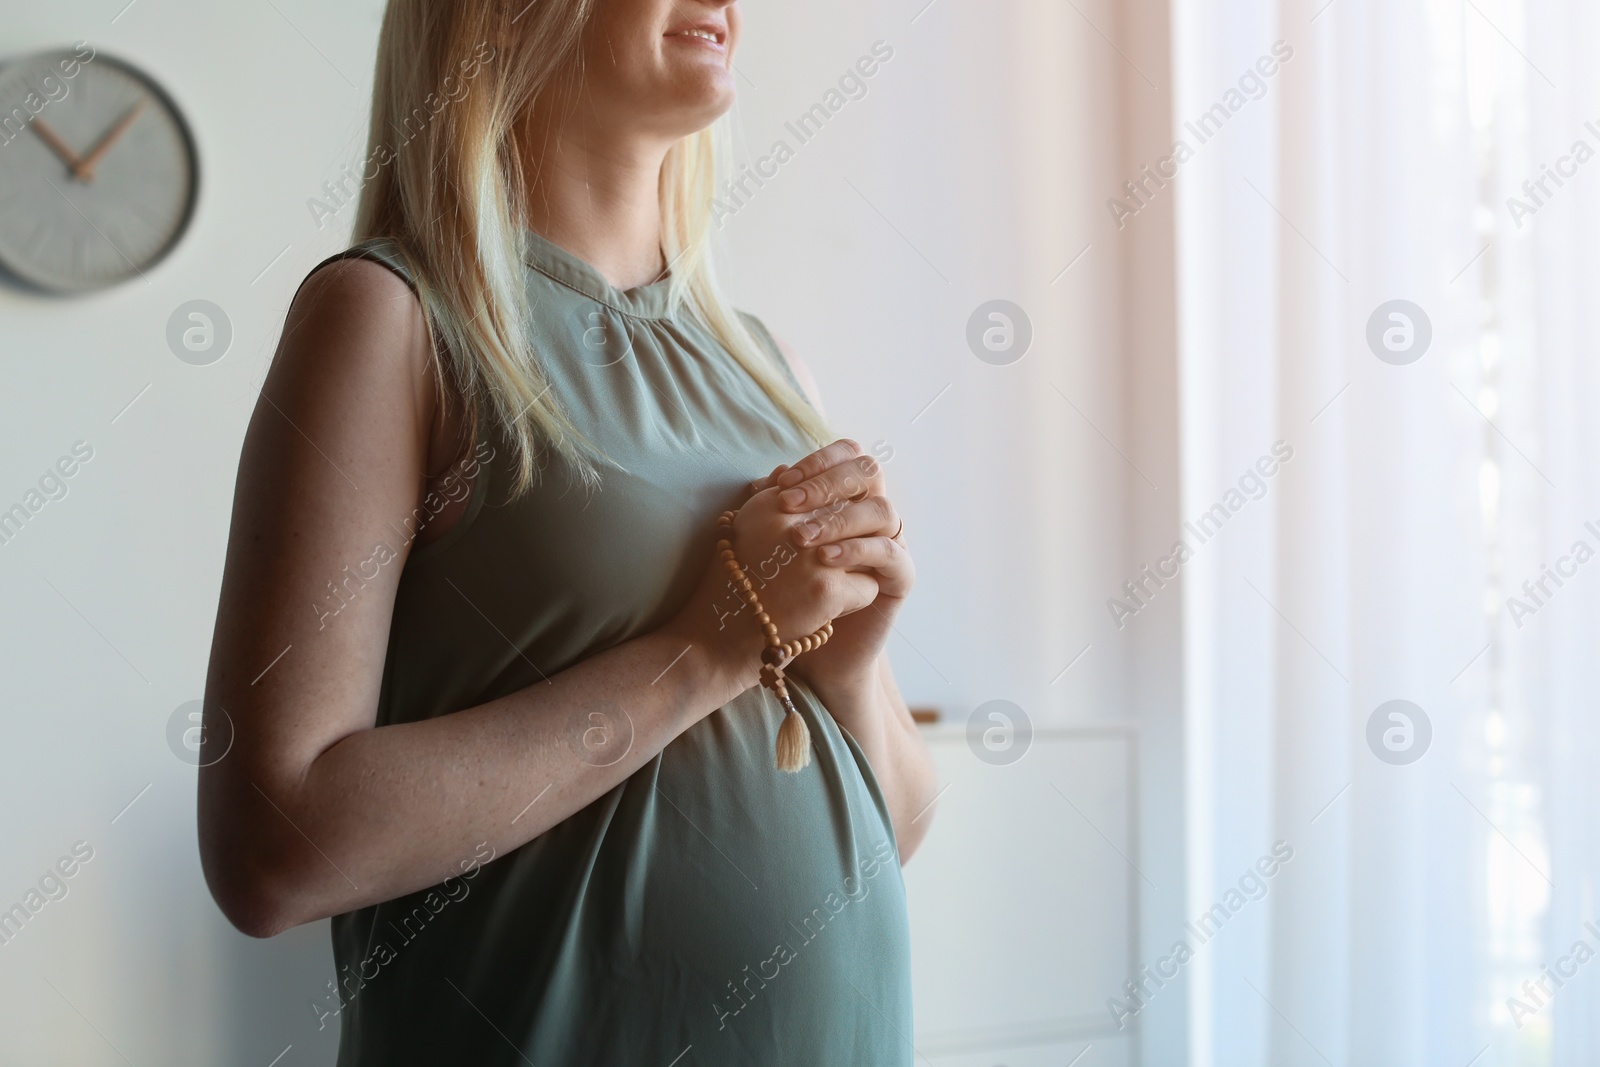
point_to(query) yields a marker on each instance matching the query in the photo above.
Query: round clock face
(97, 171)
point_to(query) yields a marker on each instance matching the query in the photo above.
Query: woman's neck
(597, 198)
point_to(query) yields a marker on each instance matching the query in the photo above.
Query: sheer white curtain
(1376, 166)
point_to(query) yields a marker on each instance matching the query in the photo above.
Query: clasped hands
(832, 506)
(838, 498)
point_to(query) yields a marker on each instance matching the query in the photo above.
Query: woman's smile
(714, 38)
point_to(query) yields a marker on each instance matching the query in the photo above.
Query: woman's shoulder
(356, 307)
(357, 289)
(758, 329)
(788, 361)
(370, 283)
(779, 353)
(384, 252)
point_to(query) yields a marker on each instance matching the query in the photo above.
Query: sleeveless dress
(710, 910)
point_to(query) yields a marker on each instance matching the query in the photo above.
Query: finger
(885, 557)
(819, 461)
(769, 480)
(856, 477)
(866, 588)
(846, 519)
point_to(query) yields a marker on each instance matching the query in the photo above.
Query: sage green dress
(710, 910)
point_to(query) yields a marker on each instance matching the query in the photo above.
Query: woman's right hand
(797, 590)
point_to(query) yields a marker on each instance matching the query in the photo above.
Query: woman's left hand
(850, 521)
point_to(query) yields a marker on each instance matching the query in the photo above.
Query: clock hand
(59, 147)
(99, 150)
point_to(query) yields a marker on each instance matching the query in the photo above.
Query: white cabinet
(1024, 902)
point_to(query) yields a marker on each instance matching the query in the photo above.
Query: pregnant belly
(711, 902)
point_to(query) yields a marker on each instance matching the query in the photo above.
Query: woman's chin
(699, 100)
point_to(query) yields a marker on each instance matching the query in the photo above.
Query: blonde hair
(454, 80)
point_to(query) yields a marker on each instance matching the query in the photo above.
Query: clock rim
(55, 286)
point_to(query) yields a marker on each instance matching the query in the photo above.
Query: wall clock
(98, 172)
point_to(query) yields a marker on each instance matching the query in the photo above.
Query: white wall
(989, 142)
(137, 947)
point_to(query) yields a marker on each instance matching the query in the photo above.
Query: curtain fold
(1443, 454)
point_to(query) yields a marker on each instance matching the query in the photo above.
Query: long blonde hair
(454, 79)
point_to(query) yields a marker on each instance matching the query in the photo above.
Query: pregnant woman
(482, 689)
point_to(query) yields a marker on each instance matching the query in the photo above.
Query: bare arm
(877, 717)
(315, 811)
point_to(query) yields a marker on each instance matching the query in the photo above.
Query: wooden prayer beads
(794, 738)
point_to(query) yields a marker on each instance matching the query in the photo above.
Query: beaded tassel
(794, 738)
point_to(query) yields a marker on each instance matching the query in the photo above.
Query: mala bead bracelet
(794, 738)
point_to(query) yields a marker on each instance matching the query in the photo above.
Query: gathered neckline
(649, 301)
